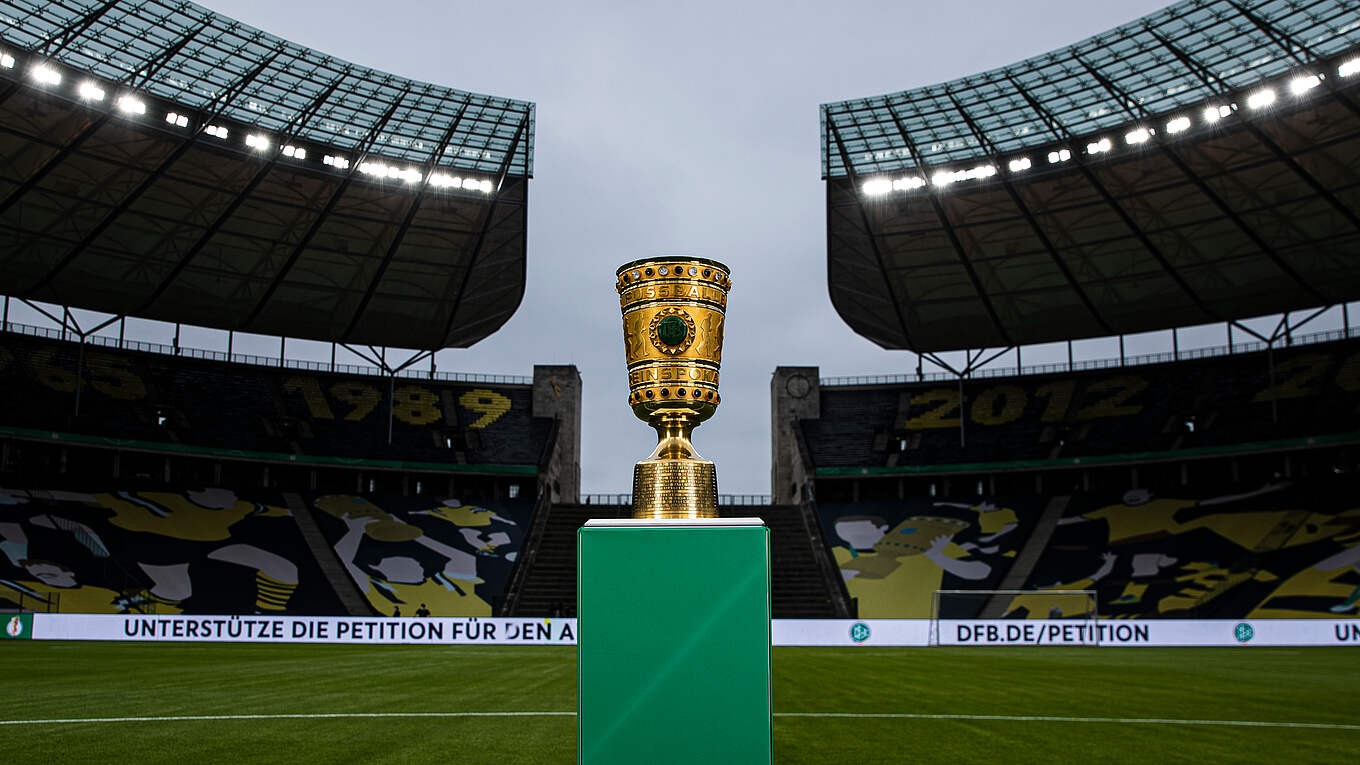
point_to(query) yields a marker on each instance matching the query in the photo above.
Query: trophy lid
(672, 259)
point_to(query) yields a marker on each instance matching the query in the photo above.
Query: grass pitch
(965, 686)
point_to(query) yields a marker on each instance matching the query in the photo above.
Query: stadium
(1018, 555)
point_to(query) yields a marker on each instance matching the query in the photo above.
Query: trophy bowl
(673, 312)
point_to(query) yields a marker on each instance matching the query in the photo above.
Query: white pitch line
(847, 715)
(1042, 718)
(298, 716)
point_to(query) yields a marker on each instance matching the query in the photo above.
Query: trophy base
(675, 488)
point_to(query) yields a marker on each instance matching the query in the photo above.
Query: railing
(263, 361)
(35, 602)
(528, 550)
(724, 500)
(1254, 346)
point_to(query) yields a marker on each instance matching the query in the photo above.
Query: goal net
(995, 617)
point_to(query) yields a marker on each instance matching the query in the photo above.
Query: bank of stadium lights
(131, 105)
(446, 181)
(1261, 99)
(1300, 85)
(874, 187)
(1213, 114)
(90, 91)
(946, 177)
(46, 75)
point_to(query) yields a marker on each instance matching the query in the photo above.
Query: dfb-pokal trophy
(673, 313)
(674, 603)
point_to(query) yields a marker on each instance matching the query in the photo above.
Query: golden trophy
(673, 311)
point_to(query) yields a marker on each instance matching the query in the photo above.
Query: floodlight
(46, 74)
(7, 61)
(1017, 165)
(1099, 147)
(411, 175)
(339, 163)
(1300, 85)
(487, 187)
(908, 184)
(1137, 136)
(942, 178)
(1061, 155)
(178, 120)
(131, 105)
(874, 188)
(1216, 113)
(1347, 68)
(471, 184)
(217, 131)
(257, 142)
(1261, 98)
(90, 91)
(1178, 125)
(296, 152)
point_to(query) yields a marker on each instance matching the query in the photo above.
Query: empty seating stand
(800, 587)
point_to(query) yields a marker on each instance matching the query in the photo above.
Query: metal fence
(1254, 346)
(724, 500)
(263, 361)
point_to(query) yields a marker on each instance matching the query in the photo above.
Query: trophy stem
(675, 481)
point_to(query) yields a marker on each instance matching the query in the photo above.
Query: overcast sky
(668, 128)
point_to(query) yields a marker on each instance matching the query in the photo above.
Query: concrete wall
(557, 395)
(795, 394)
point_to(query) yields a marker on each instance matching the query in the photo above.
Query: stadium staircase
(798, 574)
(1210, 606)
(1027, 559)
(802, 580)
(354, 601)
(549, 577)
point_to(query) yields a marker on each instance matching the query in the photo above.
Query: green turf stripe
(849, 715)
(300, 716)
(1046, 718)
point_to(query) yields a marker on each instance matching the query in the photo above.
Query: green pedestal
(674, 642)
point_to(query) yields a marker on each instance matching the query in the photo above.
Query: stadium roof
(1192, 166)
(164, 161)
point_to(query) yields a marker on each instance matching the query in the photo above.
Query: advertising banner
(305, 629)
(827, 632)
(17, 626)
(1151, 632)
(783, 632)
